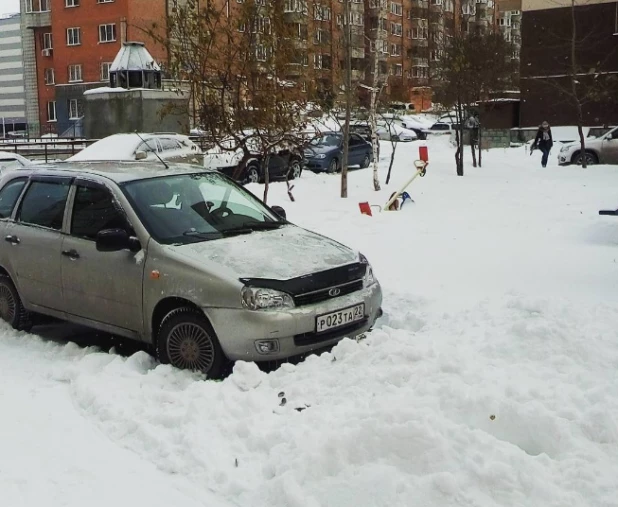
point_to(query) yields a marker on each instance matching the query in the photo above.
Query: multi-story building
(546, 71)
(68, 48)
(508, 18)
(12, 94)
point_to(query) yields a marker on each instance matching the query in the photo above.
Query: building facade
(546, 64)
(12, 92)
(68, 48)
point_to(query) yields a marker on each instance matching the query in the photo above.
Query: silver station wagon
(180, 258)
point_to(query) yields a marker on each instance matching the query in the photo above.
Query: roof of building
(134, 56)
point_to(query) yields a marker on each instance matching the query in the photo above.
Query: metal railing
(45, 149)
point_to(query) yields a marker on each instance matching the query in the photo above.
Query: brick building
(68, 47)
(545, 61)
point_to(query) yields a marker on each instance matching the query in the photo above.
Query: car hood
(591, 142)
(316, 150)
(279, 254)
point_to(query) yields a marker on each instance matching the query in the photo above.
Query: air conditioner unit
(47, 52)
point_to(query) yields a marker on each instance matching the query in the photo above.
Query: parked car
(181, 258)
(10, 160)
(386, 130)
(440, 128)
(600, 150)
(169, 147)
(285, 160)
(324, 153)
(418, 127)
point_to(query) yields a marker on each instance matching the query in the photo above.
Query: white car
(602, 150)
(127, 147)
(393, 131)
(10, 160)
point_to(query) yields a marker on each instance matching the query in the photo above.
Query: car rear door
(105, 287)
(609, 148)
(35, 237)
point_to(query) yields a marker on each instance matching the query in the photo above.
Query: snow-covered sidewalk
(491, 379)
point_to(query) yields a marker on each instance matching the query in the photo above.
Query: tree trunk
(578, 105)
(348, 97)
(459, 140)
(479, 145)
(265, 161)
(374, 99)
(473, 149)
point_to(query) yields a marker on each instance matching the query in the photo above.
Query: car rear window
(9, 195)
(44, 204)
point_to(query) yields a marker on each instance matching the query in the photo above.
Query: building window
(261, 25)
(107, 33)
(75, 73)
(320, 36)
(71, 3)
(395, 49)
(49, 77)
(38, 6)
(105, 71)
(396, 29)
(47, 41)
(295, 6)
(321, 13)
(104, 1)
(398, 70)
(242, 27)
(260, 53)
(75, 109)
(396, 9)
(74, 36)
(51, 111)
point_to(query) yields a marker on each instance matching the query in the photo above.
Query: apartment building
(68, 48)
(12, 93)
(545, 70)
(508, 19)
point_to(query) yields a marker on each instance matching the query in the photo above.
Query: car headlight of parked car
(369, 279)
(320, 155)
(257, 298)
(564, 149)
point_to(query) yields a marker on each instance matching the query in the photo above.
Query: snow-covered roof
(133, 56)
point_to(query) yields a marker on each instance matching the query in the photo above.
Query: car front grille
(327, 293)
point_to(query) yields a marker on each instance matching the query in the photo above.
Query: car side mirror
(280, 211)
(114, 240)
(140, 155)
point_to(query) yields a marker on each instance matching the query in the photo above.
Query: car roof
(11, 155)
(116, 171)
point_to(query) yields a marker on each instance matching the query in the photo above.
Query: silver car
(601, 150)
(180, 258)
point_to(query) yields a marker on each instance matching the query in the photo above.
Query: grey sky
(9, 6)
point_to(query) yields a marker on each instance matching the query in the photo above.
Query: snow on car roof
(114, 147)
(9, 155)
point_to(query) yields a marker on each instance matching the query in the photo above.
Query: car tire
(591, 158)
(253, 174)
(187, 341)
(365, 163)
(333, 166)
(295, 170)
(12, 310)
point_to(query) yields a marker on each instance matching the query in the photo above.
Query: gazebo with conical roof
(134, 67)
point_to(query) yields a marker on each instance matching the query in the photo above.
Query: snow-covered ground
(491, 380)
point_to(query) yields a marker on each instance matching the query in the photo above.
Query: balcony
(295, 17)
(294, 70)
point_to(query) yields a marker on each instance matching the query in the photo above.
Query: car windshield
(189, 208)
(326, 140)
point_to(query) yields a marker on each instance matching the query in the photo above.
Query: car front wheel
(365, 162)
(187, 341)
(295, 170)
(332, 167)
(590, 158)
(253, 175)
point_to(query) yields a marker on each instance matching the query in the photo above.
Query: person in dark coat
(544, 142)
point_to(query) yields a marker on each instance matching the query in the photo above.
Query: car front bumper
(293, 330)
(564, 159)
(317, 164)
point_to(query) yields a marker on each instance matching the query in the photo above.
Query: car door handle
(14, 240)
(71, 254)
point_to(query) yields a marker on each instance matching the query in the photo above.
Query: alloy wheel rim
(296, 170)
(7, 304)
(190, 347)
(253, 176)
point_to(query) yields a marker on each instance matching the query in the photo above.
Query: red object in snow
(365, 209)
(423, 153)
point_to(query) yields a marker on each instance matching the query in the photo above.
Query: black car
(324, 153)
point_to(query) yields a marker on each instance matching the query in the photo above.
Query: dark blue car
(324, 153)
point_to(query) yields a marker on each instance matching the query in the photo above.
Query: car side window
(44, 204)
(355, 140)
(169, 144)
(9, 195)
(149, 146)
(94, 210)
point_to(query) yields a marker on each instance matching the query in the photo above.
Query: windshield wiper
(255, 226)
(216, 234)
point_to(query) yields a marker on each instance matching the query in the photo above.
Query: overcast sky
(7, 6)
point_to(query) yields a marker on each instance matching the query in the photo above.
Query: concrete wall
(136, 110)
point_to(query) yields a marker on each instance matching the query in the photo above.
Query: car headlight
(565, 148)
(369, 279)
(256, 298)
(320, 156)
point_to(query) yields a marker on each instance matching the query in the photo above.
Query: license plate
(340, 318)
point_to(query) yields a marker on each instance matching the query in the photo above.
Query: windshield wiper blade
(263, 225)
(217, 234)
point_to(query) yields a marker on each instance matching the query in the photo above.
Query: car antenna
(156, 154)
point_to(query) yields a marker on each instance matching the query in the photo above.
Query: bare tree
(239, 61)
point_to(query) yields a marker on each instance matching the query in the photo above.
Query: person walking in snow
(544, 142)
